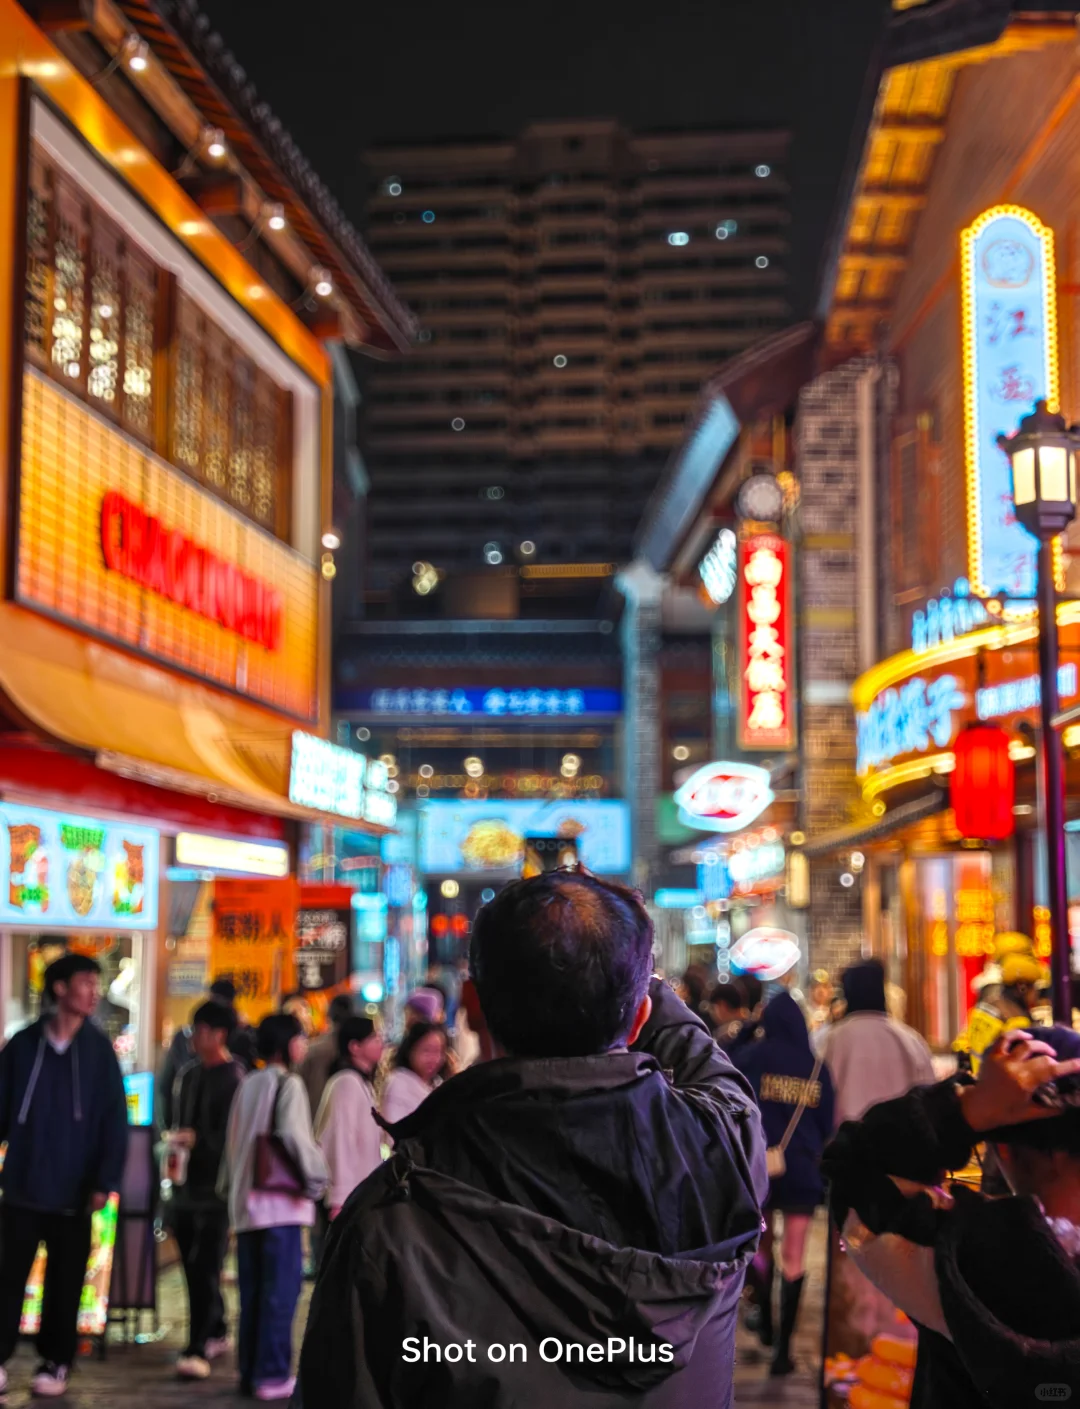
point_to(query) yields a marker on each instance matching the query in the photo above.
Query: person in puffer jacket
(785, 1076)
(63, 1113)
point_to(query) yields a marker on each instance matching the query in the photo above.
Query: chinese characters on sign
(907, 719)
(1010, 360)
(505, 703)
(252, 941)
(1016, 696)
(717, 568)
(765, 656)
(946, 617)
(323, 928)
(326, 777)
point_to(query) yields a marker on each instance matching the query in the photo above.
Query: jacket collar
(558, 1077)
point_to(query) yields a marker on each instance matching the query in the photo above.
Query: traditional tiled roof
(196, 56)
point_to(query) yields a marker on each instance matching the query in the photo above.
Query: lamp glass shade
(982, 785)
(1023, 467)
(1054, 474)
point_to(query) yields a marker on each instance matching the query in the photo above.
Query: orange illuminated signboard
(113, 542)
(766, 658)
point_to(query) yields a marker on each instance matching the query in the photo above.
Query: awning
(138, 720)
(897, 817)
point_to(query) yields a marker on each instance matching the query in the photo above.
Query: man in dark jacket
(568, 1224)
(993, 1284)
(200, 1217)
(64, 1116)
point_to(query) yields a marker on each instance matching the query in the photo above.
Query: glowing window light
(678, 237)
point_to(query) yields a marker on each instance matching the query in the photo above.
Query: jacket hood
(564, 1284)
(784, 1022)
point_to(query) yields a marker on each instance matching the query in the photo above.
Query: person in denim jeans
(268, 1225)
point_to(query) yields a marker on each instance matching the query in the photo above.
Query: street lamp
(1042, 456)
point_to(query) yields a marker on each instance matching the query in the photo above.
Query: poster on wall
(252, 941)
(323, 929)
(489, 836)
(1010, 362)
(62, 870)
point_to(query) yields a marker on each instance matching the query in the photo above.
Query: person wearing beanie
(423, 1005)
(345, 1125)
(63, 1114)
(992, 1284)
(871, 1056)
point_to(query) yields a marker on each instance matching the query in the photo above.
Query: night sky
(342, 76)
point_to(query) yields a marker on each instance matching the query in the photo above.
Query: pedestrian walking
(273, 1172)
(63, 1114)
(795, 1096)
(181, 1050)
(322, 1053)
(345, 1127)
(199, 1216)
(871, 1056)
(993, 1284)
(598, 1189)
(419, 1063)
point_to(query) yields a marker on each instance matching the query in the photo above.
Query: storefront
(167, 402)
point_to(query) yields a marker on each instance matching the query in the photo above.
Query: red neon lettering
(137, 546)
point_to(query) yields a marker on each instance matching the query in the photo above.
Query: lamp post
(1042, 456)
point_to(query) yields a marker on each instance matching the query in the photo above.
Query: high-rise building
(575, 288)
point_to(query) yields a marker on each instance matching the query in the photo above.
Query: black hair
(224, 989)
(415, 1034)
(275, 1033)
(219, 1016)
(752, 989)
(341, 1008)
(354, 1028)
(64, 969)
(864, 987)
(696, 982)
(729, 993)
(561, 962)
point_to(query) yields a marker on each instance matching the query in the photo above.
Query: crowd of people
(570, 1218)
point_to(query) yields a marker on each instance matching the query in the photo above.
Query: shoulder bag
(776, 1155)
(276, 1171)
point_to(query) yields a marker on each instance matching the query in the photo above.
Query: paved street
(141, 1375)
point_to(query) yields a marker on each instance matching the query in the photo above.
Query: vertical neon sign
(766, 715)
(1009, 307)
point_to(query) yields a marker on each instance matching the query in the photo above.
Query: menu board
(63, 871)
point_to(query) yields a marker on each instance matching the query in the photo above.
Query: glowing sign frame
(717, 774)
(971, 313)
(766, 645)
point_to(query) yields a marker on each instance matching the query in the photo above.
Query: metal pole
(1054, 790)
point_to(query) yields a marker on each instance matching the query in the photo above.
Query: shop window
(97, 311)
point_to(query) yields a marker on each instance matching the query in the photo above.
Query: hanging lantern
(982, 786)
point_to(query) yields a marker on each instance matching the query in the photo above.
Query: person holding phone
(993, 1284)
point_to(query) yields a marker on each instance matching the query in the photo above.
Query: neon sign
(139, 547)
(1008, 292)
(724, 797)
(1016, 696)
(946, 617)
(907, 719)
(765, 656)
(718, 570)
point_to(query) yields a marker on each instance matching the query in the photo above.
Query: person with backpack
(590, 1197)
(795, 1094)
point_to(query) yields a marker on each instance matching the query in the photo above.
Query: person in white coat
(419, 1064)
(345, 1126)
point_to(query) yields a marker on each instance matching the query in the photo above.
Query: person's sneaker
(218, 1346)
(50, 1380)
(276, 1389)
(192, 1367)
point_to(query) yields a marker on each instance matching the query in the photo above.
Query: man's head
(359, 1044)
(1021, 976)
(224, 990)
(864, 987)
(1041, 1156)
(73, 984)
(341, 1007)
(726, 1004)
(211, 1027)
(561, 964)
(752, 990)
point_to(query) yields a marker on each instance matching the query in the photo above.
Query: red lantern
(982, 787)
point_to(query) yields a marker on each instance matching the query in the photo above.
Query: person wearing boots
(795, 1096)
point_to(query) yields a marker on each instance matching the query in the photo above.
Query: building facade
(575, 288)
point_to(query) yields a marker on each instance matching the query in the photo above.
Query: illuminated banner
(76, 872)
(717, 568)
(724, 797)
(1010, 361)
(509, 703)
(766, 659)
(117, 544)
(328, 778)
(478, 836)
